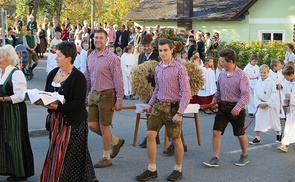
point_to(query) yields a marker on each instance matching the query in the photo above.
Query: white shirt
(289, 57)
(54, 42)
(19, 83)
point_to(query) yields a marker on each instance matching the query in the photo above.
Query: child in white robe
(83, 56)
(128, 62)
(266, 101)
(77, 62)
(206, 94)
(252, 70)
(289, 99)
(276, 75)
(51, 62)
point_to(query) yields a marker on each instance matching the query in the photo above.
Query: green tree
(25, 8)
(116, 9)
(51, 8)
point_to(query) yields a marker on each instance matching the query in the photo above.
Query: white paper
(140, 108)
(46, 97)
(192, 108)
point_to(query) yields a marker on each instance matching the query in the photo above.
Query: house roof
(209, 10)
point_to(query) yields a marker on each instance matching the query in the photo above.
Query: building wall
(264, 16)
(228, 30)
(260, 20)
(279, 16)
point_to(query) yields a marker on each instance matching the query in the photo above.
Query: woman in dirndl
(68, 158)
(16, 156)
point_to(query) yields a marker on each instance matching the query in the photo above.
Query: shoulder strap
(8, 81)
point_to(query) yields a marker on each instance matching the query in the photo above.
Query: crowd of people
(93, 68)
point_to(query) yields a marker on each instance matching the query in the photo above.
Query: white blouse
(19, 83)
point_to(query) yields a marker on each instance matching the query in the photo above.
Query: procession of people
(85, 66)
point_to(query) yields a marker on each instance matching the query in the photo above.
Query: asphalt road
(267, 164)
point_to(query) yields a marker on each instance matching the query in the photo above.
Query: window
(267, 36)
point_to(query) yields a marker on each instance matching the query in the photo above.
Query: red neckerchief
(53, 52)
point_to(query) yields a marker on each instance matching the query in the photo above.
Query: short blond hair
(264, 67)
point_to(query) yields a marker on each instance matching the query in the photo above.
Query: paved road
(267, 164)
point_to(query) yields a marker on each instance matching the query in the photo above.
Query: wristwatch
(180, 114)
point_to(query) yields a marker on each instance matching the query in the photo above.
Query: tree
(27, 8)
(105, 10)
(51, 8)
(116, 9)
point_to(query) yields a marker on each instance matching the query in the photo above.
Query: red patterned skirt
(68, 158)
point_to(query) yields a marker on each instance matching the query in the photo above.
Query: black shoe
(170, 150)
(279, 138)
(175, 176)
(185, 148)
(14, 178)
(131, 97)
(254, 142)
(143, 144)
(158, 139)
(146, 175)
(125, 98)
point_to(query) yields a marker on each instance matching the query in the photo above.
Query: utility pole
(92, 14)
(3, 21)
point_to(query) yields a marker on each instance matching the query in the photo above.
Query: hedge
(266, 52)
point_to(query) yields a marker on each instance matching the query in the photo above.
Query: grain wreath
(143, 83)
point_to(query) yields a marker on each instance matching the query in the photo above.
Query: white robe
(279, 79)
(83, 55)
(127, 63)
(51, 62)
(253, 75)
(210, 84)
(77, 62)
(289, 131)
(268, 118)
(54, 42)
(289, 57)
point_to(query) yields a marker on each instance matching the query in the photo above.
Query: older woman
(68, 158)
(15, 148)
(56, 40)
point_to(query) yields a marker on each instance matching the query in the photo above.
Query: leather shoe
(170, 150)
(117, 148)
(146, 175)
(14, 178)
(104, 162)
(175, 176)
(143, 144)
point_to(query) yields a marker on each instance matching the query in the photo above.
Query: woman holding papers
(68, 158)
(16, 157)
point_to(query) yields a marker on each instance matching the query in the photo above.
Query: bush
(265, 52)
